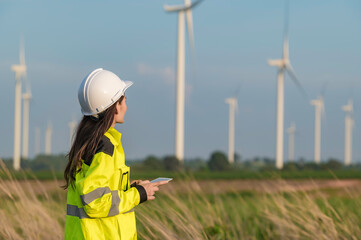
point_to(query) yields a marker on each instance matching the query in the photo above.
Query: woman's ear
(116, 108)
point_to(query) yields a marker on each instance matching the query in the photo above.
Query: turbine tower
(233, 106)
(26, 97)
(283, 65)
(349, 122)
(37, 141)
(72, 126)
(182, 10)
(20, 73)
(319, 108)
(48, 134)
(291, 142)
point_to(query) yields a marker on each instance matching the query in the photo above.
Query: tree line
(217, 161)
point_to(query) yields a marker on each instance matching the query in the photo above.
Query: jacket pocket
(124, 178)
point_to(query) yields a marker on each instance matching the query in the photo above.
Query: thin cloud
(167, 74)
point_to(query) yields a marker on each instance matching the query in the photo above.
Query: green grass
(187, 211)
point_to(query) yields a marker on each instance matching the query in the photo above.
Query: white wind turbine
(72, 126)
(349, 123)
(26, 98)
(48, 134)
(20, 73)
(37, 141)
(182, 10)
(319, 109)
(291, 142)
(283, 65)
(233, 106)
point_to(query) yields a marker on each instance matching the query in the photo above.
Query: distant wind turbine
(72, 126)
(291, 142)
(37, 141)
(349, 123)
(283, 65)
(233, 106)
(26, 97)
(48, 134)
(20, 73)
(319, 108)
(187, 10)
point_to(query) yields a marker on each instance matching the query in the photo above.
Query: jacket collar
(114, 136)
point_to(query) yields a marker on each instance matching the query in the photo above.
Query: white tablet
(161, 179)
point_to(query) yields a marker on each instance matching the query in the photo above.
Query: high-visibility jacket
(100, 205)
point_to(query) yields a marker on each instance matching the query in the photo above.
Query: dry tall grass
(28, 211)
(36, 210)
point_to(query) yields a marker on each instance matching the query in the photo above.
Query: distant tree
(237, 158)
(311, 166)
(218, 162)
(290, 166)
(196, 164)
(171, 163)
(154, 163)
(333, 164)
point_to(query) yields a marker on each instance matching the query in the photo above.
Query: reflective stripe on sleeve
(114, 209)
(131, 210)
(97, 193)
(74, 211)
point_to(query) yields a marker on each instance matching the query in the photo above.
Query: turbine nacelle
(349, 107)
(20, 70)
(292, 128)
(27, 96)
(276, 62)
(178, 8)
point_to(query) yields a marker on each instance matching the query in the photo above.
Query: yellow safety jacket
(100, 206)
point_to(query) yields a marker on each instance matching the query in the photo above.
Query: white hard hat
(99, 90)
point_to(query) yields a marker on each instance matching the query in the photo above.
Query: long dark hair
(88, 135)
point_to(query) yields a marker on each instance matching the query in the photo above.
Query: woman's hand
(136, 182)
(151, 188)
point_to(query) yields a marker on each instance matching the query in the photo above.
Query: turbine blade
(181, 7)
(237, 91)
(236, 106)
(285, 49)
(285, 33)
(22, 52)
(295, 80)
(323, 110)
(189, 20)
(323, 89)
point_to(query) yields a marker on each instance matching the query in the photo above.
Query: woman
(100, 199)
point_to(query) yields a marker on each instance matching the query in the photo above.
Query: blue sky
(65, 40)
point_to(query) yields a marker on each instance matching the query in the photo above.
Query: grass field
(201, 209)
(201, 175)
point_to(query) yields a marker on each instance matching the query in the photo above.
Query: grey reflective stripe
(97, 193)
(131, 210)
(72, 210)
(114, 208)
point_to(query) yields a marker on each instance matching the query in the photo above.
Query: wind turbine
(349, 122)
(319, 108)
(37, 141)
(20, 73)
(48, 134)
(182, 10)
(291, 142)
(233, 106)
(283, 65)
(26, 97)
(72, 126)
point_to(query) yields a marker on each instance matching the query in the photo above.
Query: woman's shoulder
(105, 146)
